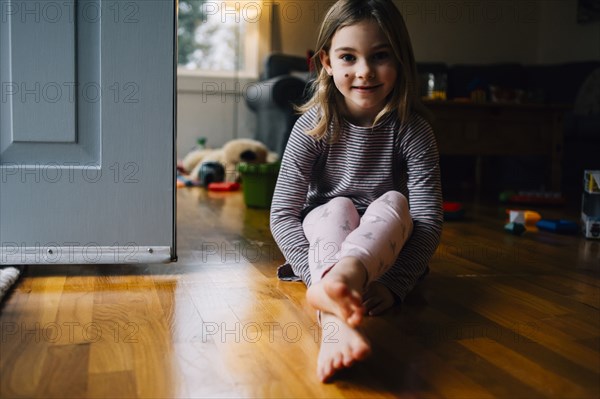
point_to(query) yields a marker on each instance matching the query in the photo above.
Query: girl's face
(364, 70)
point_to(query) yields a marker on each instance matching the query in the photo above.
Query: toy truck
(590, 204)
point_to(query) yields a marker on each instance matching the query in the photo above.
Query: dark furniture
(546, 91)
(487, 129)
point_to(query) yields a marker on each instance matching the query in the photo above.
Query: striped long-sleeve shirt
(365, 163)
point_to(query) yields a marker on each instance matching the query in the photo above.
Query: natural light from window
(218, 37)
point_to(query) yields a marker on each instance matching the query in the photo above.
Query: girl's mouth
(366, 88)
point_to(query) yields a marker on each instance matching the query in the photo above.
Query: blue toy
(558, 226)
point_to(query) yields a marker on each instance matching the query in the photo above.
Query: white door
(87, 131)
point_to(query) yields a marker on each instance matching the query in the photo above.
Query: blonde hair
(325, 96)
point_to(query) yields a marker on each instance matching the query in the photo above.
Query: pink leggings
(335, 230)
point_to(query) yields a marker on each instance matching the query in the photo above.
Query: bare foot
(339, 292)
(341, 347)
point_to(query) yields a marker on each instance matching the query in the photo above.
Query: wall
(440, 30)
(473, 31)
(561, 38)
(468, 31)
(207, 108)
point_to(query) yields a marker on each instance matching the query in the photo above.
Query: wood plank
(462, 323)
(119, 384)
(65, 372)
(498, 316)
(528, 372)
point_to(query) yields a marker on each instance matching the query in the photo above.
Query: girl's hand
(377, 299)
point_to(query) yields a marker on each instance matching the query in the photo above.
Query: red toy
(453, 210)
(222, 186)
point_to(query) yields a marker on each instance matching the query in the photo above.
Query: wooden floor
(499, 316)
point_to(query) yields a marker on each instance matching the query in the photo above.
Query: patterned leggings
(335, 230)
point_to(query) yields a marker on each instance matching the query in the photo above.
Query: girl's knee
(341, 202)
(398, 202)
(395, 199)
(342, 206)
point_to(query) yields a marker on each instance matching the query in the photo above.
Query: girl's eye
(383, 55)
(347, 58)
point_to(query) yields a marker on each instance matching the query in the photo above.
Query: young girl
(357, 207)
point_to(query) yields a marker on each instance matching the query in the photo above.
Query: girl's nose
(364, 71)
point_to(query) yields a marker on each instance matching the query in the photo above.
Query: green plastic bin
(258, 183)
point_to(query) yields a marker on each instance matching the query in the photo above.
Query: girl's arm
(290, 196)
(418, 149)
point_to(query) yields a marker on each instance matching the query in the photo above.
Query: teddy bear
(229, 156)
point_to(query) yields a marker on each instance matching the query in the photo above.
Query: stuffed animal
(232, 153)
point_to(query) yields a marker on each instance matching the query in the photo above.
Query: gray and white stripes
(363, 165)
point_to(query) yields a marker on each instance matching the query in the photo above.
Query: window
(218, 37)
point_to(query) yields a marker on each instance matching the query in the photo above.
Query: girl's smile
(363, 68)
(366, 89)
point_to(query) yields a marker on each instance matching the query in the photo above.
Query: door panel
(87, 172)
(37, 93)
(51, 89)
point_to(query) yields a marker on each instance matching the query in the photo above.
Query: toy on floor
(526, 217)
(515, 228)
(184, 181)
(453, 210)
(210, 172)
(259, 183)
(224, 186)
(232, 153)
(516, 222)
(558, 226)
(519, 221)
(590, 204)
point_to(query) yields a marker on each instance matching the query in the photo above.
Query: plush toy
(232, 153)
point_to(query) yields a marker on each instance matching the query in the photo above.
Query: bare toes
(348, 359)
(326, 372)
(337, 361)
(361, 352)
(349, 347)
(355, 318)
